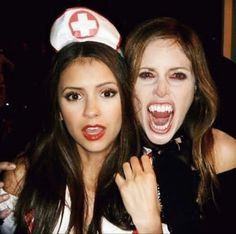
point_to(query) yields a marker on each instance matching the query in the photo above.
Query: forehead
(165, 50)
(88, 71)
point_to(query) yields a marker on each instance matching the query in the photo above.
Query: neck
(91, 166)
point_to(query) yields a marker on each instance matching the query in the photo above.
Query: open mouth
(160, 117)
(93, 133)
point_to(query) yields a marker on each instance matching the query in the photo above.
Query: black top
(178, 184)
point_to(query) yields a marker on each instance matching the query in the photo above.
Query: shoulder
(14, 180)
(224, 151)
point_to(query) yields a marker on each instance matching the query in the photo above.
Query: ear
(61, 117)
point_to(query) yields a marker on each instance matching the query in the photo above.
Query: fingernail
(12, 166)
(5, 196)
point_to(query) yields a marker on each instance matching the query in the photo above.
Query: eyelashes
(75, 95)
(108, 93)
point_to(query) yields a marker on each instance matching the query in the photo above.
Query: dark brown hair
(55, 163)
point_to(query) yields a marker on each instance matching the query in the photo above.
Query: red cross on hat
(82, 24)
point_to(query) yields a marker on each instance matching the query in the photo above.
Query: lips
(160, 117)
(93, 132)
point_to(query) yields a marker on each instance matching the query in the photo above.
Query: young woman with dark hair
(66, 182)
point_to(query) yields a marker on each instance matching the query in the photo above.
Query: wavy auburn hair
(202, 113)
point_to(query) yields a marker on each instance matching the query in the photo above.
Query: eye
(108, 93)
(146, 75)
(178, 76)
(73, 96)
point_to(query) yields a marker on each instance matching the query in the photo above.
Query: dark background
(31, 20)
(24, 34)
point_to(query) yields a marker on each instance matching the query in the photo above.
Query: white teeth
(160, 108)
(93, 129)
(160, 127)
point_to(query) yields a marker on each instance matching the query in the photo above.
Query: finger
(146, 162)
(7, 166)
(128, 171)
(119, 180)
(4, 213)
(136, 165)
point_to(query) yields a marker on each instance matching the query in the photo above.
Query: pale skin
(165, 89)
(91, 101)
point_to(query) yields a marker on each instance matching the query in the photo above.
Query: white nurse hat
(82, 24)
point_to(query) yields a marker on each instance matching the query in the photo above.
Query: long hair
(202, 113)
(55, 162)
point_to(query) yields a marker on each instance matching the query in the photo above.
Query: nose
(91, 108)
(161, 88)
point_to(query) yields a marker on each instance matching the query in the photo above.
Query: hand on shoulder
(14, 179)
(4, 212)
(224, 151)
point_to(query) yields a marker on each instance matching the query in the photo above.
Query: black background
(31, 20)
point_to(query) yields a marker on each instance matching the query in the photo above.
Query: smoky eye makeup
(178, 76)
(146, 75)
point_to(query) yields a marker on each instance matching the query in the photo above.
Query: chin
(160, 138)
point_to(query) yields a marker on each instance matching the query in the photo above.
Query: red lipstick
(93, 132)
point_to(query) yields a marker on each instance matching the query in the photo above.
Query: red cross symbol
(83, 24)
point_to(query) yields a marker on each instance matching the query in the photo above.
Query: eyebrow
(97, 86)
(180, 68)
(171, 69)
(107, 83)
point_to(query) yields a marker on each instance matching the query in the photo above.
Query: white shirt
(8, 227)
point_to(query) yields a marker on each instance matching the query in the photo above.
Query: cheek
(69, 122)
(115, 122)
(142, 95)
(113, 108)
(69, 115)
(184, 100)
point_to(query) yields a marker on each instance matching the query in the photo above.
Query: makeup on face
(93, 132)
(165, 89)
(88, 94)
